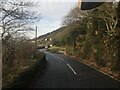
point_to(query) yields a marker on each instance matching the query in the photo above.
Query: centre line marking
(52, 54)
(71, 69)
(60, 58)
(46, 58)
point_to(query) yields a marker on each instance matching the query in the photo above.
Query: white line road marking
(71, 69)
(52, 54)
(46, 58)
(60, 58)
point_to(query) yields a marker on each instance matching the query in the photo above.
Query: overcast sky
(52, 12)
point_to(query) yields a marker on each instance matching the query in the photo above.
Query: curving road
(64, 72)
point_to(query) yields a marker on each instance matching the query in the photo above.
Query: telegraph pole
(36, 38)
(79, 3)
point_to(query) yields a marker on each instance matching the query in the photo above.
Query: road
(64, 72)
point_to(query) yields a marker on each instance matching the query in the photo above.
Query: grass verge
(25, 77)
(56, 49)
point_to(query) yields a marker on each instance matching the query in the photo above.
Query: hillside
(57, 35)
(51, 34)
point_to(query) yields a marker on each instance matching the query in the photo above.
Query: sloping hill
(52, 34)
(57, 35)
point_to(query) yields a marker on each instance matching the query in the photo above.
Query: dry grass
(56, 49)
(115, 74)
(12, 73)
(92, 63)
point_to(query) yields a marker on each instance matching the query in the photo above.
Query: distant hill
(55, 35)
(58, 34)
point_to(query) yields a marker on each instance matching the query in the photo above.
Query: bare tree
(74, 16)
(15, 16)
